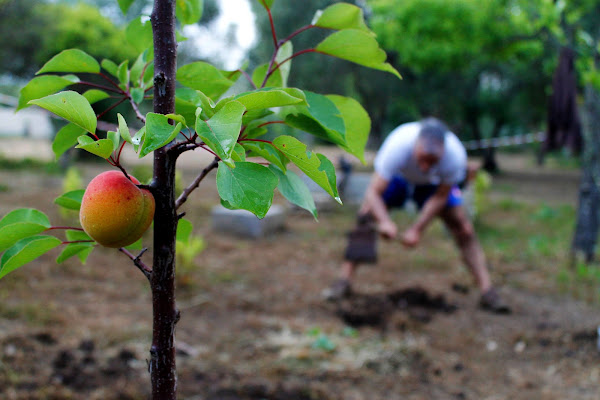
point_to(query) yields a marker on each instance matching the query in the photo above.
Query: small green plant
(481, 188)
(188, 247)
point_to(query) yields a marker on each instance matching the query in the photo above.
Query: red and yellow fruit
(114, 211)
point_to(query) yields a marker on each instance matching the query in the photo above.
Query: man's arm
(374, 204)
(432, 207)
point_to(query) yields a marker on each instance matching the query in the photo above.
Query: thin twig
(183, 197)
(138, 114)
(137, 261)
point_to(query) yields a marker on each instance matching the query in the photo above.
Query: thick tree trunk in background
(564, 127)
(163, 374)
(586, 230)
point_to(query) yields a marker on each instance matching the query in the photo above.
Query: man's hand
(388, 229)
(411, 237)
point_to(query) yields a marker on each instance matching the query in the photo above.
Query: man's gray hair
(432, 136)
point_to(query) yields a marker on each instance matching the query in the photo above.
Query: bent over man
(425, 162)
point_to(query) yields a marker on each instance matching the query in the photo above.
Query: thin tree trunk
(586, 230)
(162, 365)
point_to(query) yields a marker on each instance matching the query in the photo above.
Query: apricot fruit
(114, 211)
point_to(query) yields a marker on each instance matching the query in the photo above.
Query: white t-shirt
(396, 157)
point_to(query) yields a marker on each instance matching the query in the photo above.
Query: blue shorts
(399, 190)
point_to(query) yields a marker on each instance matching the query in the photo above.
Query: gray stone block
(244, 223)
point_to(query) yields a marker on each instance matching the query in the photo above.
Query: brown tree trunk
(586, 229)
(162, 366)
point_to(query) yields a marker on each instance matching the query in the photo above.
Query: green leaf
(258, 76)
(76, 235)
(268, 98)
(95, 95)
(138, 138)
(356, 46)
(177, 118)
(266, 3)
(71, 106)
(139, 34)
(204, 77)
(324, 111)
(115, 138)
(284, 52)
(266, 151)
(188, 100)
(73, 249)
(66, 138)
(123, 128)
(72, 60)
(184, 230)
(125, 4)
(110, 66)
(329, 169)
(238, 153)
(221, 132)
(137, 245)
(102, 148)
(341, 16)
(357, 123)
(158, 133)
(21, 223)
(293, 188)
(248, 186)
(308, 163)
(70, 200)
(137, 95)
(41, 86)
(123, 73)
(138, 67)
(189, 11)
(26, 250)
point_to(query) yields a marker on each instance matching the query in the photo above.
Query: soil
(254, 324)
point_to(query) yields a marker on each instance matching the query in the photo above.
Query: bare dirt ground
(254, 325)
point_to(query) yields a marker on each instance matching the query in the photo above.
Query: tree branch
(137, 261)
(183, 197)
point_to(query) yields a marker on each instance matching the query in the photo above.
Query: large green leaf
(21, 223)
(189, 11)
(110, 66)
(71, 60)
(266, 151)
(125, 4)
(75, 249)
(70, 200)
(204, 77)
(221, 132)
(321, 118)
(248, 186)
(71, 106)
(268, 98)
(357, 122)
(26, 250)
(293, 188)
(66, 138)
(42, 86)
(309, 163)
(158, 133)
(356, 46)
(139, 34)
(102, 148)
(341, 16)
